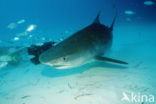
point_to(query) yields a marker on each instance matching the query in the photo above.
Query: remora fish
(86, 45)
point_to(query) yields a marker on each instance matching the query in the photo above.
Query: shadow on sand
(50, 72)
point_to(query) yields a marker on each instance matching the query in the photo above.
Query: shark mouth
(61, 66)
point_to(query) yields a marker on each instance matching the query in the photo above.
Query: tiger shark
(85, 46)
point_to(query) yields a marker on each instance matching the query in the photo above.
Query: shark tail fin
(112, 25)
(96, 20)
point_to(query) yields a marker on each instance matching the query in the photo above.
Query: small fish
(129, 12)
(21, 21)
(12, 25)
(5, 58)
(3, 64)
(16, 38)
(148, 3)
(8, 58)
(31, 27)
(128, 19)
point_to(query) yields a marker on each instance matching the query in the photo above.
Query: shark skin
(85, 46)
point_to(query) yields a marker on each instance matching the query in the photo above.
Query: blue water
(134, 41)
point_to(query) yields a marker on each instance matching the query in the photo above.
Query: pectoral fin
(110, 60)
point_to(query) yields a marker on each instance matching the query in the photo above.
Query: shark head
(63, 60)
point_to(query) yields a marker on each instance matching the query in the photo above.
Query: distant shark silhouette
(85, 46)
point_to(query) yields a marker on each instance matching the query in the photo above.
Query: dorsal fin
(96, 20)
(112, 25)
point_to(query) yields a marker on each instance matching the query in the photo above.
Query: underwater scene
(77, 52)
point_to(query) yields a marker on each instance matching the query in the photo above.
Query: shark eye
(64, 58)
